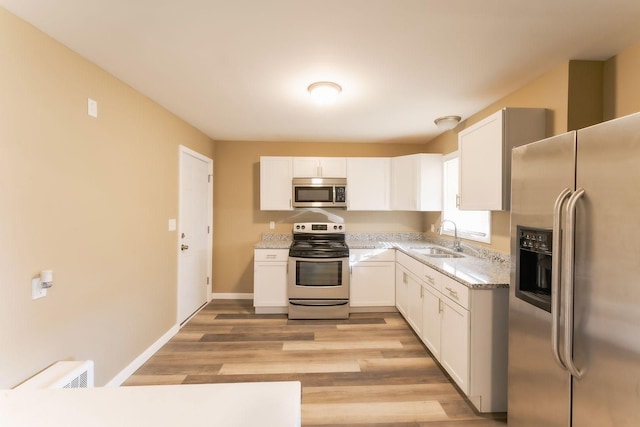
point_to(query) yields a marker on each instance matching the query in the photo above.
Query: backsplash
(277, 236)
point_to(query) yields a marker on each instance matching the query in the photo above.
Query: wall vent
(65, 374)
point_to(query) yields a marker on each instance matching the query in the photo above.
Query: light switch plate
(92, 107)
(172, 224)
(37, 291)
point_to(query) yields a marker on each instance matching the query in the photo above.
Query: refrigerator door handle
(568, 271)
(556, 250)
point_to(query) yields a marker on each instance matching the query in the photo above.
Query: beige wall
(88, 198)
(239, 222)
(622, 85)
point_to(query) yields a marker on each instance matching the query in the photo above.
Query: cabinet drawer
(414, 266)
(367, 255)
(432, 278)
(271, 254)
(455, 291)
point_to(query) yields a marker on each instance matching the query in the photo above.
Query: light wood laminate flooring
(369, 370)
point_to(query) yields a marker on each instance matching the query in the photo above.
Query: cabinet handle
(404, 277)
(430, 280)
(271, 256)
(452, 292)
(457, 201)
(439, 306)
(421, 292)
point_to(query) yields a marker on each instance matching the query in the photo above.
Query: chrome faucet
(456, 241)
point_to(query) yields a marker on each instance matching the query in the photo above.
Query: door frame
(185, 150)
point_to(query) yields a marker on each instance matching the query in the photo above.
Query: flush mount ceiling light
(324, 92)
(447, 122)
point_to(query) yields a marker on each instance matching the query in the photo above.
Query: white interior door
(194, 238)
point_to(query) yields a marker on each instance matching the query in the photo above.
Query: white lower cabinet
(372, 278)
(270, 280)
(431, 320)
(402, 293)
(464, 328)
(408, 279)
(414, 305)
(454, 353)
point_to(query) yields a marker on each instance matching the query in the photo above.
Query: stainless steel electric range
(318, 279)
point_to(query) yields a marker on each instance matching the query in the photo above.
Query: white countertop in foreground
(193, 405)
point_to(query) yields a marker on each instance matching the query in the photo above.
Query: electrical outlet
(433, 228)
(272, 225)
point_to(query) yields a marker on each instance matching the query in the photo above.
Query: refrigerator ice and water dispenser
(533, 267)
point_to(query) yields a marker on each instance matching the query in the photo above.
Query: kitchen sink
(437, 252)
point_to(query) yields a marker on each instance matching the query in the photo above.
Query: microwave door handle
(556, 250)
(568, 280)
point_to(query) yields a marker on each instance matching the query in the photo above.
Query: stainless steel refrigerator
(574, 306)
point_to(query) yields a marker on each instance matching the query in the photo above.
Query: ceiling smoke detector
(324, 92)
(447, 122)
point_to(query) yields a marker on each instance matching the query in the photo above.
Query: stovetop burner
(318, 240)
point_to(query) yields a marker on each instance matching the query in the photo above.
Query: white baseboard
(232, 296)
(139, 361)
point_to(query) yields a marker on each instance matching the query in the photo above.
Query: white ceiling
(239, 69)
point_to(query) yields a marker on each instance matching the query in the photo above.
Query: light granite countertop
(473, 271)
(272, 244)
(478, 268)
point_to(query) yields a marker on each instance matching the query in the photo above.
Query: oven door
(318, 278)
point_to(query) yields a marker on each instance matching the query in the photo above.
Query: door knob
(184, 247)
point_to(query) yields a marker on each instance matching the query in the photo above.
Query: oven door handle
(318, 303)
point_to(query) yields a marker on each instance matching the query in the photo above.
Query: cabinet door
(270, 284)
(416, 182)
(431, 320)
(481, 164)
(414, 305)
(276, 174)
(369, 181)
(404, 180)
(306, 167)
(372, 284)
(327, 167)
(333, 167)
(402, 280)
(485, 155)
(454, 354)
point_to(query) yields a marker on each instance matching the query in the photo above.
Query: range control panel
(318, 227)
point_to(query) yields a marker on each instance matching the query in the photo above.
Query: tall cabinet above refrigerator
(574, 307)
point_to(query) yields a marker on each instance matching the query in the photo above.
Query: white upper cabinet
(485, 155)
(325, 167)
(416, 182)
(276, 174)
(369, 183)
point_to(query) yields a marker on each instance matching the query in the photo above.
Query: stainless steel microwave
(319, 192)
